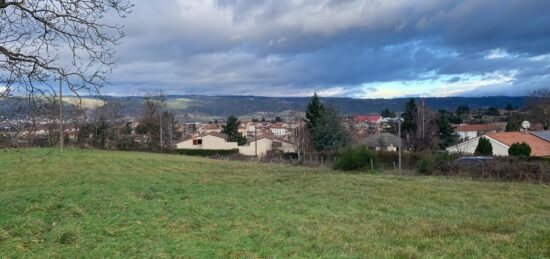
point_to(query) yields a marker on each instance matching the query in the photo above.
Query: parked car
(473, 161)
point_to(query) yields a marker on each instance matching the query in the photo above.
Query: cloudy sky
(351, 48)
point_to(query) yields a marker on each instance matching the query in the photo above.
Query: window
(197, 141)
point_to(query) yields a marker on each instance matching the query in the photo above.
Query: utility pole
(161, 105)
(61, 135)
(399, 135)
(255, 140)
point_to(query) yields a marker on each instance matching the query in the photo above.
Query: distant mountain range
(247, 105)
(223, 106)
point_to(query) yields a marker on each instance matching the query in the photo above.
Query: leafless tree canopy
(43, 40)
(538, 105)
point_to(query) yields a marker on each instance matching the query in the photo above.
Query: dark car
(473, 160)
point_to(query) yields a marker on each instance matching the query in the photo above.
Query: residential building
(501, 142)
(278, 131)
(212, 140)
(218, 141)
(470, 131)
(381, 142)
(264, 144)
(374, 119)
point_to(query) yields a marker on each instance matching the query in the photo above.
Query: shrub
(484, 147)
(207, 152)
(355, 159)
(425, 165)
(521, 150)
(536, 170)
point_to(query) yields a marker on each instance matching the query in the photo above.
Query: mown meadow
(91, 203)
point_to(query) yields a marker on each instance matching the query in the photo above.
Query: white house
(218, 141)
(470, 131)
(278, 131)
(469, 147)
(381, 142)
(212, 140)
(502, 141)
(265, 144)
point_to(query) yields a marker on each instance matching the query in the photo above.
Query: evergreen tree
(484, 147)
(454, 119)
(517, 149)
(493, 111)
(509, 107)
(231, 129)
(386, 113)
(313, 113)
(409, 116)
(446, 132)
(462, 110)
(330, 134)
(513, 123)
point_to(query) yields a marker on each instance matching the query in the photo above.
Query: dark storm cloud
(284, 47)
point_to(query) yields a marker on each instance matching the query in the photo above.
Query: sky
(346, 48)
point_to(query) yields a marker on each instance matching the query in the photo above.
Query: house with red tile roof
(376, 119)
(502, 141)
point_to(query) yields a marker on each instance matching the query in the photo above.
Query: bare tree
(302, 139)
(538, 105)
(42, 40)
(424, 127)
(161, 105)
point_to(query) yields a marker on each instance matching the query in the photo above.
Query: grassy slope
(96, 203)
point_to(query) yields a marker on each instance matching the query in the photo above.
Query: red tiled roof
(477, 127)
(539, 147)
(369, 118)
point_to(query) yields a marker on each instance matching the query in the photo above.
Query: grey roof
(542, 134)
(380, 139)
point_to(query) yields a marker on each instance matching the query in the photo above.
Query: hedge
(207, 152)
(358, 158)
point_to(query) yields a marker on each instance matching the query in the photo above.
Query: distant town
(152, 125)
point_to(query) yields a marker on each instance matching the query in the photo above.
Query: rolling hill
(223, 106)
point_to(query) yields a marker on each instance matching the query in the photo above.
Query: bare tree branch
(43, 40)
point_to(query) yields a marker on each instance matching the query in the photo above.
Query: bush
(356, 159)
(426, 165)
(521, 150)
(207, 152)
(536, 170)
(484, 147)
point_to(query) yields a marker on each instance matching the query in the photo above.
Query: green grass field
(88, 203)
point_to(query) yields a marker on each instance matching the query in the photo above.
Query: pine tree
(231, 129)
(386, 113)
(462, 110)
(330, 134)
(509, 107)
(313, 113)
(446, 132)
(513, 123)
(409, 116)
(484, 147)
(493, 111)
